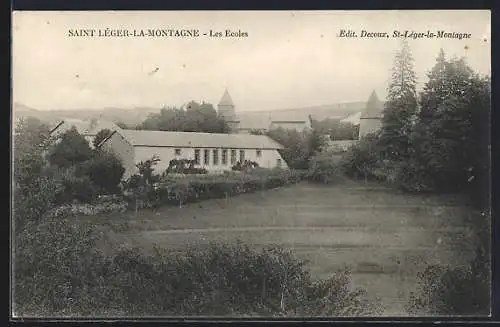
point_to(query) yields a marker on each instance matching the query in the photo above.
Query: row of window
(215, 156)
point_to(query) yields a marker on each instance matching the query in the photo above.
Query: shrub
(463, 290)
(86, 209)
(30, 205)
(245, 165)
(324, 168)
(59, 272)
(175, 191)
(74, 187)
(361, 160)
(105, 171)
(184, 166)
(447, 290)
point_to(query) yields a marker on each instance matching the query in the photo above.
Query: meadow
(383, 236)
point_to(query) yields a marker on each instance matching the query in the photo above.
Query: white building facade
(214, 152)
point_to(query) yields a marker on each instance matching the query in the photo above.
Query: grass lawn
(384, 236)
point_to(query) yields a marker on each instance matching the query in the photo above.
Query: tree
(31, 140)
(33, 191)
(146, 169)
(297, 146)
(141, 184)
(104, 170)
(451, 137)
(316, 142)
(71, 149)
(400, 108)
(363, 159)
(101, 136)
(195, 117)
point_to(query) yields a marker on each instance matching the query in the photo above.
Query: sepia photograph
(250, 164)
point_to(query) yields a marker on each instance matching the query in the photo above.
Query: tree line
(436, 140)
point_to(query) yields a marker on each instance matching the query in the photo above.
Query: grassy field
(384, 237)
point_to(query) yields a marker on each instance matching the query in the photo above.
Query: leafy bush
(75, 187)
(86, 209)
(105, 171)
(447, 290)
(30, 205)
(463, 290)
(362, 159)
(201, 187)
(59, 272)
(184, 166)
(245, 165)
(324, 168)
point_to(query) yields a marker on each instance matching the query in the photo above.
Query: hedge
(61, 272)
(195, 188)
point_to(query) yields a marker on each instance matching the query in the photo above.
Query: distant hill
(134, 116)
(130, 117)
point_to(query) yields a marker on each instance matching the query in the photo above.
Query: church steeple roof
(226, 99)
(374, 107)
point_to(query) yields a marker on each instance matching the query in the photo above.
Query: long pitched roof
(263, 119)
(198, 140)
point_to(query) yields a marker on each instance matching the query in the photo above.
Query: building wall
(267, 159)
(118, 145)
(228, 112)
(369, 125)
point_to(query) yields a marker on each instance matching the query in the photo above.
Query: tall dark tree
(401, 106)
(451, 137)
(71, 149)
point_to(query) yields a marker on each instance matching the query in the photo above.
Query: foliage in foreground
(463, 290)
(60, 272)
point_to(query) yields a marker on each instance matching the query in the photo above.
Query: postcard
(251, 164)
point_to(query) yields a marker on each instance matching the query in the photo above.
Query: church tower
(225, 108)
(371, 118)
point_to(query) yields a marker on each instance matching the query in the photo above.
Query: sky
(288, 60)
